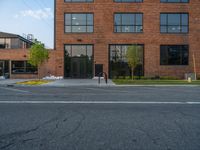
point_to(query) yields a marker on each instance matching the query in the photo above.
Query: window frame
(25, 63)
(71, 45)
(128, 44)
(180, 45)
(134, 13)
(71, 55)
(180, 13)
(134, 1)
(176, 2)
(80, 25)
(78, 1)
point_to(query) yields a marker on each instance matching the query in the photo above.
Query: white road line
(15, 90)
(95, 102)
(107, 90)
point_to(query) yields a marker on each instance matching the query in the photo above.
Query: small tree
(133, 58)
(38, 55)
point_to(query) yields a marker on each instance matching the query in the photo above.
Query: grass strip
(154, 82)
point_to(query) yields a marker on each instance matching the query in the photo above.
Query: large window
(174, 23)
(78, 61)
(79, 1)
(174, 54)
(174, 1)
(132, 22)
(118, 61)
(5, 43)
(78, 23)
(4, 68)
(13, 43)
(128, 1)
(22, 67)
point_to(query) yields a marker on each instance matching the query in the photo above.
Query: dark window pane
(78, 61)
(174, 55)
(118, 61)
(23, 67)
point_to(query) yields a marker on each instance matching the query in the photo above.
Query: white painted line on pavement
(107, 90)
(94, 102)
(15, 90)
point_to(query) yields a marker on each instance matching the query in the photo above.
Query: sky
(29, 17)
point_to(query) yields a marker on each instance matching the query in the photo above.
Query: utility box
(98, 69)
(192, 76)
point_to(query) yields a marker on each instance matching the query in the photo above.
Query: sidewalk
(78, 82)
(60, 83)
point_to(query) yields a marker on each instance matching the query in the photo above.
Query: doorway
(79, 67)
(98, 69)
(1, 68)
(4, 68)
(78, 61)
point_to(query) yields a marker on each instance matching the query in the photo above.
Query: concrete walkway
(79, 82)
(61, 83)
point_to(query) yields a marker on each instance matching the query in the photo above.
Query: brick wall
(22, 54)
(151, 38)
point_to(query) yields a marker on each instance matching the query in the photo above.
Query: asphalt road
(100, 118)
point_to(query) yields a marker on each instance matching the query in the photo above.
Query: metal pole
(106, 78)
(99, 78)
(194, 61)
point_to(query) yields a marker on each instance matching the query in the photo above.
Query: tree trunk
(132, 72)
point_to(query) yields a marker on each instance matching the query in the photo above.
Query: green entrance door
(79, 67)
(78, 61)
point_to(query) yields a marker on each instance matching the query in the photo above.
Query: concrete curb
(70, 85)
(157, 85)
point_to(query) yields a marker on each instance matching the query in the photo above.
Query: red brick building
(14, 55)
(94, 35)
